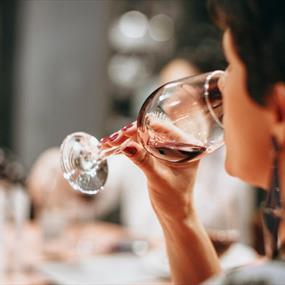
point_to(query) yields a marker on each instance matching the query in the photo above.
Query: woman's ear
(279, 113)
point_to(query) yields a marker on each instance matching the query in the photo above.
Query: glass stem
(113, 150)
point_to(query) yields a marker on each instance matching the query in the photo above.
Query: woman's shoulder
(269, 273)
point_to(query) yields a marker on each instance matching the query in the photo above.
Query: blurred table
(62, 259)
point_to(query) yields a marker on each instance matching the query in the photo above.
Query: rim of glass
(206, 94)
(209, 76)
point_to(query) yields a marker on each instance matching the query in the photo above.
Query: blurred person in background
(55, 203)
(217, 209)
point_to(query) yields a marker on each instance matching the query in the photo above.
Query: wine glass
(179, 122)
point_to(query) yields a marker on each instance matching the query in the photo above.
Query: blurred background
(87, 65)
(79, 65)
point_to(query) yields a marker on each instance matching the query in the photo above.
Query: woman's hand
(170, 186)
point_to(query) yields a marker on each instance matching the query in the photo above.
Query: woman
(254, 106)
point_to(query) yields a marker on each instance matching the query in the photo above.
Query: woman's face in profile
(247, 125)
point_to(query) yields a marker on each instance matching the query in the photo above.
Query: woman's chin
(248, 176)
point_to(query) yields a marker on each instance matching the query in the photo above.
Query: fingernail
(103, 140)
(127, 126)
(113, 136)
(130, 151)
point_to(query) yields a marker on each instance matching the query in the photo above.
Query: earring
(273, 199)
(272, 207)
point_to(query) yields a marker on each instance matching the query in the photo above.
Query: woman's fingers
(139, 156)
(166, 131)
(117, 138)
(130, 130)
(114, 139)
(126, 138)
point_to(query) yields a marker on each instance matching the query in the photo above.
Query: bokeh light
(133, 24)
(161, 28)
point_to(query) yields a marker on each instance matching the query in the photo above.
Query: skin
(176, 69)
(248, 131)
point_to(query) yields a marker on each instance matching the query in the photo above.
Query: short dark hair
(258, 31)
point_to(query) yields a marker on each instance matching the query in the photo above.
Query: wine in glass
(179, 122)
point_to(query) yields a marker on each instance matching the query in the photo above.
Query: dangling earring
(272, 207)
